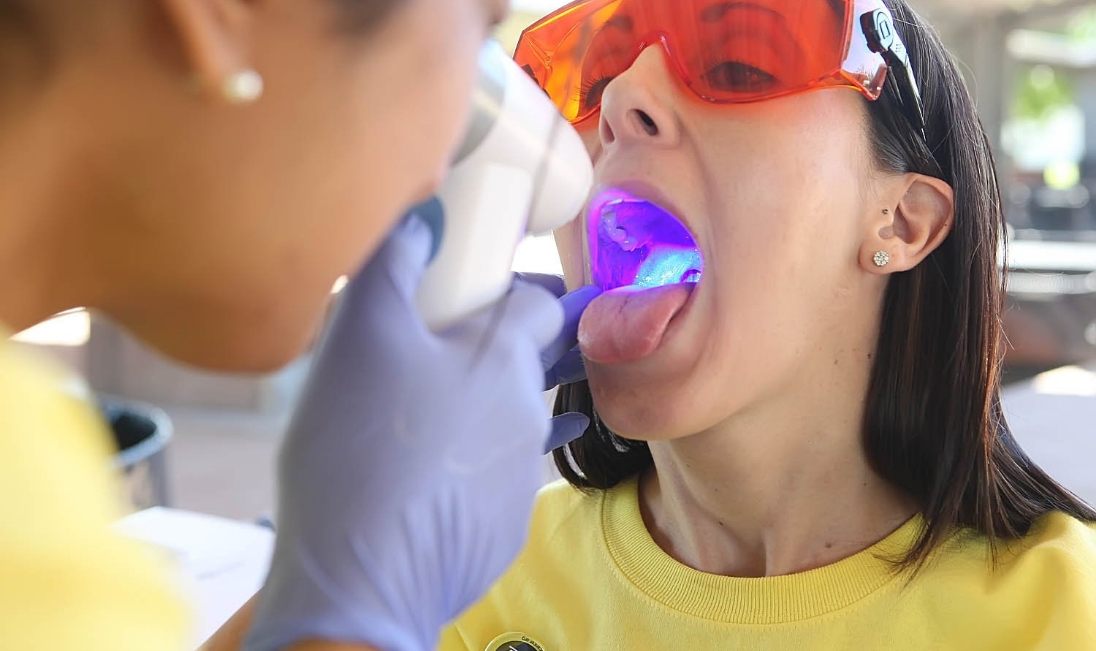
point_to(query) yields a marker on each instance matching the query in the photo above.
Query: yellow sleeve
(66, 581)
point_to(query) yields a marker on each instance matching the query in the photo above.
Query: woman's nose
(637, 106)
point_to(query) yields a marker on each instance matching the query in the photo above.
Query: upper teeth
(616, 232)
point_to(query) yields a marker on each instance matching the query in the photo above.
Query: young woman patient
(797, 439)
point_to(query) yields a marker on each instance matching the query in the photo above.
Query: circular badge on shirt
(514, 642)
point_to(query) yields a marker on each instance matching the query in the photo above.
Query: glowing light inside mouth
(635, 242)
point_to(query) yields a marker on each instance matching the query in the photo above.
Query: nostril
(647, 122)
(607, 135)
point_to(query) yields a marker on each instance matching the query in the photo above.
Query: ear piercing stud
(242, 87)
(881, 259)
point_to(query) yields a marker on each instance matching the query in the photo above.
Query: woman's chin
(230, 343)
(641, 412)
(232, 355)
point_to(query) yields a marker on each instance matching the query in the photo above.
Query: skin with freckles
(753, 402)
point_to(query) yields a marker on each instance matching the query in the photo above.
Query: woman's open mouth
(648, 263)
(635, 242)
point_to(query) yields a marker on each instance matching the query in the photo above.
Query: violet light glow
(634, 242)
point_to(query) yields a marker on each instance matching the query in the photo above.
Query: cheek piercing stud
(881, 259)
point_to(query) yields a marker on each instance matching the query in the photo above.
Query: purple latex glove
(563, 363)
(410, 468)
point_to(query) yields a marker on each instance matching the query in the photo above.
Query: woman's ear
(215, 37)
(910, 226)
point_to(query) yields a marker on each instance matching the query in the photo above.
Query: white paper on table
(222, 562)
(1053, 417)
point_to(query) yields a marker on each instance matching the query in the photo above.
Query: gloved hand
(410, 468)
(563, 363)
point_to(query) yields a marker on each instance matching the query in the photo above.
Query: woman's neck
(782, 488)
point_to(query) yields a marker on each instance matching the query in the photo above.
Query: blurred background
(1032, 67)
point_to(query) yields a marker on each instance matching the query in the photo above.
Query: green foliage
(1082, 26)
(1040, 91)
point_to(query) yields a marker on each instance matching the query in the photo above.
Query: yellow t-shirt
(592, 579)
(66, 581)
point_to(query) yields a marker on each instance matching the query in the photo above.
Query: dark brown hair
(27, 47)
(23, 45)
(933, 422)
(18, 18)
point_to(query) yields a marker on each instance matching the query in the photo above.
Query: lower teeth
(634, 242)
(669, 266)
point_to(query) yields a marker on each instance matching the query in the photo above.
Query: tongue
(628, 324)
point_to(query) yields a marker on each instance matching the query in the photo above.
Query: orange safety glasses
(724, 51)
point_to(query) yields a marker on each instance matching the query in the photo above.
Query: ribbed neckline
(767, 600)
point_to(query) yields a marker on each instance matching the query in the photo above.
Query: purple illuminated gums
(635, 242)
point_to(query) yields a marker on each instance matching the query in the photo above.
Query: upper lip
(643, 191)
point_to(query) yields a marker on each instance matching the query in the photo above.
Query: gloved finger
(566, 428)
(551, 282)
(574, 304)
(569, 369)
(534, 310)
(391, 277)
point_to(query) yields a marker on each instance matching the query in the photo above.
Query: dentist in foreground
(202, 171)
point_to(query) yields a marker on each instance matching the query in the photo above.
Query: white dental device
(521, 170)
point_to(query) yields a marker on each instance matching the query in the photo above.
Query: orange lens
(555, 50)
(725, 51)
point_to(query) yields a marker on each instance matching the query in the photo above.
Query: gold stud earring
(881, 259)
(242, 87)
